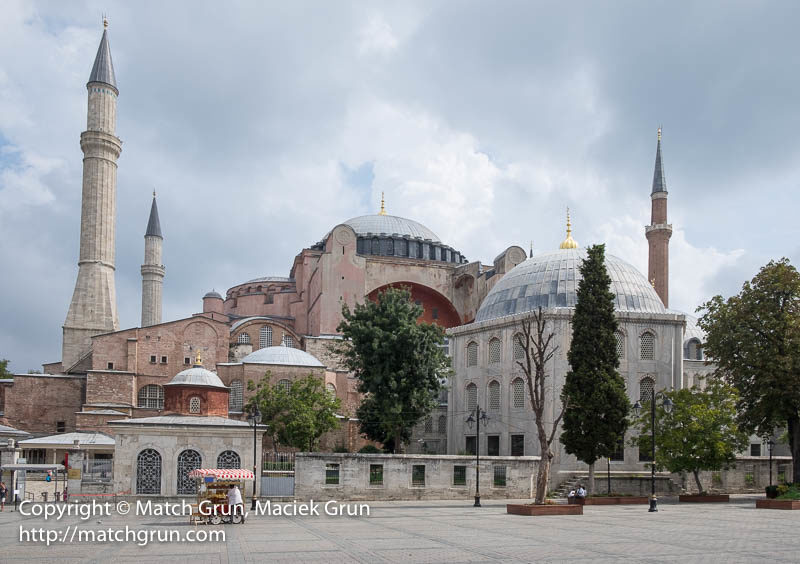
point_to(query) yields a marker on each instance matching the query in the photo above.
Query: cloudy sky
(262, 125)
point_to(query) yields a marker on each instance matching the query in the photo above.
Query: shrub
(340, 448)
(772, 492)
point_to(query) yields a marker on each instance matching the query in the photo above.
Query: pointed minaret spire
(383, 209)
(103, 69)
(530, 254)
(152, 269)
(659, 231)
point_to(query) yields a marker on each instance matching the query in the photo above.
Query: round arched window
(194, 404)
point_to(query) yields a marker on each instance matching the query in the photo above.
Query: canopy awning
(223, 473)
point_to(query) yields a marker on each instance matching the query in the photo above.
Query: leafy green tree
(4, 372)
(398, 361)
(700, 433)
(296, 417)
(754, 338)
(596, 416)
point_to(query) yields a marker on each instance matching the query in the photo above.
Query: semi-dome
(693, 330)
(550, 280)
(390, 224)
(196, 376)
(288, 356)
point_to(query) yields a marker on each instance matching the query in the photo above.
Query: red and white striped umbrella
(223, 473)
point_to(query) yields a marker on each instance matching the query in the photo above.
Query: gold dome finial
(105, 22)
(659, 134)
(383, 209)
(569, 242)
(198, 361)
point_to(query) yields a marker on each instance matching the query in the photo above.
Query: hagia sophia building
(110, 378)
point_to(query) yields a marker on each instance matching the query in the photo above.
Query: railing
(97, 470)
(278, 461)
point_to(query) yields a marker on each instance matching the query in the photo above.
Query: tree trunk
(591, 479)
(697, 479)
(793, 424)
(542, 477)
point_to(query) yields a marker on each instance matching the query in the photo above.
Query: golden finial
(154, 193)
(105, 22)
(197, 360)
(659, 134)
(383, 209)
(569, 242)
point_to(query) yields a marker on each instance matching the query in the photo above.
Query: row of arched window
(265, 338)
(149, 469)
(647, 348)
(494, 393)
(441, 428)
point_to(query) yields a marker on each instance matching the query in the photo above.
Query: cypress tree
(597, 406)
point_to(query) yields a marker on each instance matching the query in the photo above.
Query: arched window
(443, 424)
(429, 424)
(519, 350)
(390, 247)
(647, 346)
(376, 246)
(494, 395)
(188, 460)
(495, 351)
(244, 339)
(472, 354)
(331, 389)
(265, 337)
(236, 398)
(284, 384)
(646, 387)
(620, 337)
(229, 459)
(518, 393)
(151, 396)
(194, 404)
(148, 472)
(288, 341)
(472, 397)
(695, 350)
(402, 247)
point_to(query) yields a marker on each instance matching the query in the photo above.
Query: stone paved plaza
(446, 531)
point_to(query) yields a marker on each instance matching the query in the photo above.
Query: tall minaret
(152, 269)
(93, 309)
(659, 231)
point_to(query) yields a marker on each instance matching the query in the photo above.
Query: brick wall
(37, 402)
(213, 401)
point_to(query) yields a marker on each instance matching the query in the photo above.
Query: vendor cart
(212, 495)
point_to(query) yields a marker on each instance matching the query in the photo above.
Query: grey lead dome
(550, 280)
(196, 376)
(390, 224)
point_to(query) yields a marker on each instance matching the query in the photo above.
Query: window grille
(61, 426)
(429, 424)
(376, 474)
(236, 399)
(148, 472)
(229, 459)
(494, 351)
(442, 424)
(647, 346)
(517, 445)
(332, 474)
(494, 395)
(284, 384)
(519, 350)
(499, 476)
(151, 396)
(472, 354)
(459, 475)
(418, 475)
(244, 339)
(194, 404)
(288, 341)
(620, 344)
(755, 449)
(188, 460)
(518, 391)
(472, 397)
(646, 387)
(265, 337)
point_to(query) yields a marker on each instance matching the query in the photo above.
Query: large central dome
(389, 225)
(551, 280)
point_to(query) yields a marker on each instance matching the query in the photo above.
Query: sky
(262, 125)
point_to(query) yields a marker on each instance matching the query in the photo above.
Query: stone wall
(751, 474)
(354, 477)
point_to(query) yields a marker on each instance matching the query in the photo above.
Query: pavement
(422, 531)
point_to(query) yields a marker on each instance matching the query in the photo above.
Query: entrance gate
(277, 476)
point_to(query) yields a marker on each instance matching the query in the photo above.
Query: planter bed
(716, 498)
(548, 509)
(613, 500)
(778, 504)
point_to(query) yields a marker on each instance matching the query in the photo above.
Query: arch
(331, 388)
(647, 345)
(442, 424)
(236, 397)
(495, 351)
(519, 349)
(471, 397)
(265, 337)
(437, 308)
(229, 459)
(620, 337)
(287, 341)
(429, 424)
(150, 396)
(518, 393)
(284, 384)
(494, 395)
(694, 349)
(194, 405)
(148, 472)
(647, 386)
(472, 353)
(188, 460)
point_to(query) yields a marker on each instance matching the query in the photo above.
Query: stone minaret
(93, 309)
(659, 231)
(152, 270)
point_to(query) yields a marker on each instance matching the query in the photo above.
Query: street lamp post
(770, 444)
(637, 407)
(480, 415)
(254, 418)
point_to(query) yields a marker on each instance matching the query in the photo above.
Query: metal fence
(100, 470)
(278, 461)
(277, 475)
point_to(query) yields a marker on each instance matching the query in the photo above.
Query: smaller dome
(196, 376)
(287, 356)
(213, 294)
